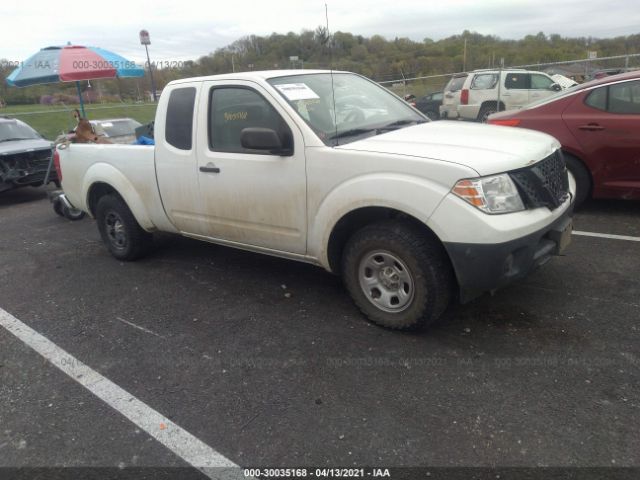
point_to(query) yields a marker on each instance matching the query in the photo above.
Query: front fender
(408, 194)
(105, 173)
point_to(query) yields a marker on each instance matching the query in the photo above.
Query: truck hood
(487, 149)
(21, 146)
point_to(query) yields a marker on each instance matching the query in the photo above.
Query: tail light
(464, 97)
(509, 122)
(56, 164)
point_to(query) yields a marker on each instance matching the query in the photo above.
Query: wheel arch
(493, 103)
(571, 155)
(105, 180)
(358, 218)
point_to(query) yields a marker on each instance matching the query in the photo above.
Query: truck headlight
(494, 194)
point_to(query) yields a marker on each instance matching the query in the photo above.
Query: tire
(58, 207)
(121, 233)
(432, 115)
(72, 214)
(393, 259)
(485, 111)
(581, 176)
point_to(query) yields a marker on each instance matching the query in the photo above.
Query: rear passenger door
(515, 91)
(249, 197)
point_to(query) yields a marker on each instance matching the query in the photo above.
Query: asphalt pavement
(268, 362)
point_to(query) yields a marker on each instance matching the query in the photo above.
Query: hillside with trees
(375, 57)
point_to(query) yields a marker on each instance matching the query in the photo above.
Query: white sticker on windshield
(106, 124)
(297, 91)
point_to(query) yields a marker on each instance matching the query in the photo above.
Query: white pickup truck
(331, 169)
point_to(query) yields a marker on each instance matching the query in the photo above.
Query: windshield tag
(297, 91)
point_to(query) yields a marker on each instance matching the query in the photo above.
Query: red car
(598, 125)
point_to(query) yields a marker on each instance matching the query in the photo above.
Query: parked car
(412, 213)
(430, 104)
(598, 125)
(482, 94)
(117, 130)
(24, 155)
(451, 96)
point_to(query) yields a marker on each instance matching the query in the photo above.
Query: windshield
(16, 130)
(362, 107)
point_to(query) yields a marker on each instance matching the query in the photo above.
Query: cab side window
(620, 98)
(179, 120)
(624, 98)
(232, 109)
(541, 82)
(517, 81)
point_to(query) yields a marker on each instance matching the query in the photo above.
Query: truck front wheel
(397, 275)
(121, 233)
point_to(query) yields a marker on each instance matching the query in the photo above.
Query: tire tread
(430, 258)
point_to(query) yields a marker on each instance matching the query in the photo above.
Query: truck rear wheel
(121, 233)
(397, 275)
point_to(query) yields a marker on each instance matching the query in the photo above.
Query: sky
(188, 29)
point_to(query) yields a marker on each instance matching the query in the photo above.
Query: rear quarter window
(455, 84)
(484, 81)
(597, 98)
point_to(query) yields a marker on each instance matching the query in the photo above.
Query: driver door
(249, 197)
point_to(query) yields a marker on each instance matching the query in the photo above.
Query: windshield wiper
(351, 133)
(12, 139)
(376, 130)
(398, 124)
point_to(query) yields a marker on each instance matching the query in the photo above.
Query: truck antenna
(333, 90)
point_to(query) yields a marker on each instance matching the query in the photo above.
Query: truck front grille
(544, 184)
(25, 167)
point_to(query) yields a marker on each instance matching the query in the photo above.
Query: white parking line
(607, 235)
(172, 436)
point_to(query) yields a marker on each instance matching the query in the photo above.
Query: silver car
(117, 130)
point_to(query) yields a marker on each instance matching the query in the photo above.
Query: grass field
(51, 121)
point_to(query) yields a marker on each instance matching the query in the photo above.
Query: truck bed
(130, 169)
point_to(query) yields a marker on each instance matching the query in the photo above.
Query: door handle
(591, 127)
(210, 168)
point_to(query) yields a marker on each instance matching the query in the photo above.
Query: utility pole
(464, 57)
(146, 41)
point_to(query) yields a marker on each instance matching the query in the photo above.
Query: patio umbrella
(72, 63)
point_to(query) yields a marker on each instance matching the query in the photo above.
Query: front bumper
(482, 268)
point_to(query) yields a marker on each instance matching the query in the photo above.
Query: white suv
(451, 96)
(481, 94)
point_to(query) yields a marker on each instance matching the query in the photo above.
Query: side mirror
(555, 87)
(256, 138)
